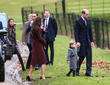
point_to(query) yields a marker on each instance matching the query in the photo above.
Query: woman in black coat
(12, 40)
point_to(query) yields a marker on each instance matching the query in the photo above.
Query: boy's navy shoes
(74, 73)
(67, 74)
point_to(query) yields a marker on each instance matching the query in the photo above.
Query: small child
(72, 58)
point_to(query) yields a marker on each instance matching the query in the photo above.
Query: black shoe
(89, 75)
(27, 67)
(68, 74)
(47, 63)
(77, 72)
(74, 73)
(42, 78)
(28, 78)
(51, 64)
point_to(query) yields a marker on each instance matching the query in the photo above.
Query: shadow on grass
(45, 78)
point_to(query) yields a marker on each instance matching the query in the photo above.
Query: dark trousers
(19, 57)
(88, 60)
(29, 57)
(51, 45)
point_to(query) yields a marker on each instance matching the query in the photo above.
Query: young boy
(72, 58)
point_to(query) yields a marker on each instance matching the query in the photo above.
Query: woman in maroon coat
(38, 43)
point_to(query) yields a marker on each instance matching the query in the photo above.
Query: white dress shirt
(46, 22)
(84, 20)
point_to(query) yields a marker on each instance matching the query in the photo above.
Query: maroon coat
(38, 43)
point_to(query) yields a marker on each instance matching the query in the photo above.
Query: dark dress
(38, 43)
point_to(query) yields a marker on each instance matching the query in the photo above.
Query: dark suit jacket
(28, 29)
(51, 30)
(83, 34)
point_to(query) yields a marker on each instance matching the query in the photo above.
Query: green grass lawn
(97, 8)
(60, 68)
(13, 7)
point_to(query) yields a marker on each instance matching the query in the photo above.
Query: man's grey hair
(30, 15)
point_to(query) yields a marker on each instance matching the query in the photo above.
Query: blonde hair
(71, 42)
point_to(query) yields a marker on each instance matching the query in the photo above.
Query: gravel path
(13, 67)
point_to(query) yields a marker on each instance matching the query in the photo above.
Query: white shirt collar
(82, 18)
(47, 18)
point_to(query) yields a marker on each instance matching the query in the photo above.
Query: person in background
(34, 16)
(50, 27)
(72, 58)
(25, 36)
(12, 39)
(84, 40)
(38, 54)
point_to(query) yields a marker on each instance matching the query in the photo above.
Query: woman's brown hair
(9, 26)
(36, 25)
(37, 22)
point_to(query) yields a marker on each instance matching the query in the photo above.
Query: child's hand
(68, 62)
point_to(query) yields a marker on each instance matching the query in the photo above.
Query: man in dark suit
(84, 40)
(50, 27)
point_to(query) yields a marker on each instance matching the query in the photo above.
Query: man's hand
(78, 44)
(92, 44)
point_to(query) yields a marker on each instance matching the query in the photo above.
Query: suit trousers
(51, 45)
(29, 57)
(88, 60)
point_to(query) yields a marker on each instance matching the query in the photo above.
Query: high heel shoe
(28, 78)
(42, 77)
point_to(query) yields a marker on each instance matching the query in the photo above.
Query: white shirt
(46, 21)
(84, 20)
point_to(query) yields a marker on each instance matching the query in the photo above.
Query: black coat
(83, 34)
(51, 30)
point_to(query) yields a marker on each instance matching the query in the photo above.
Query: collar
(47, 18)
(82, 18)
